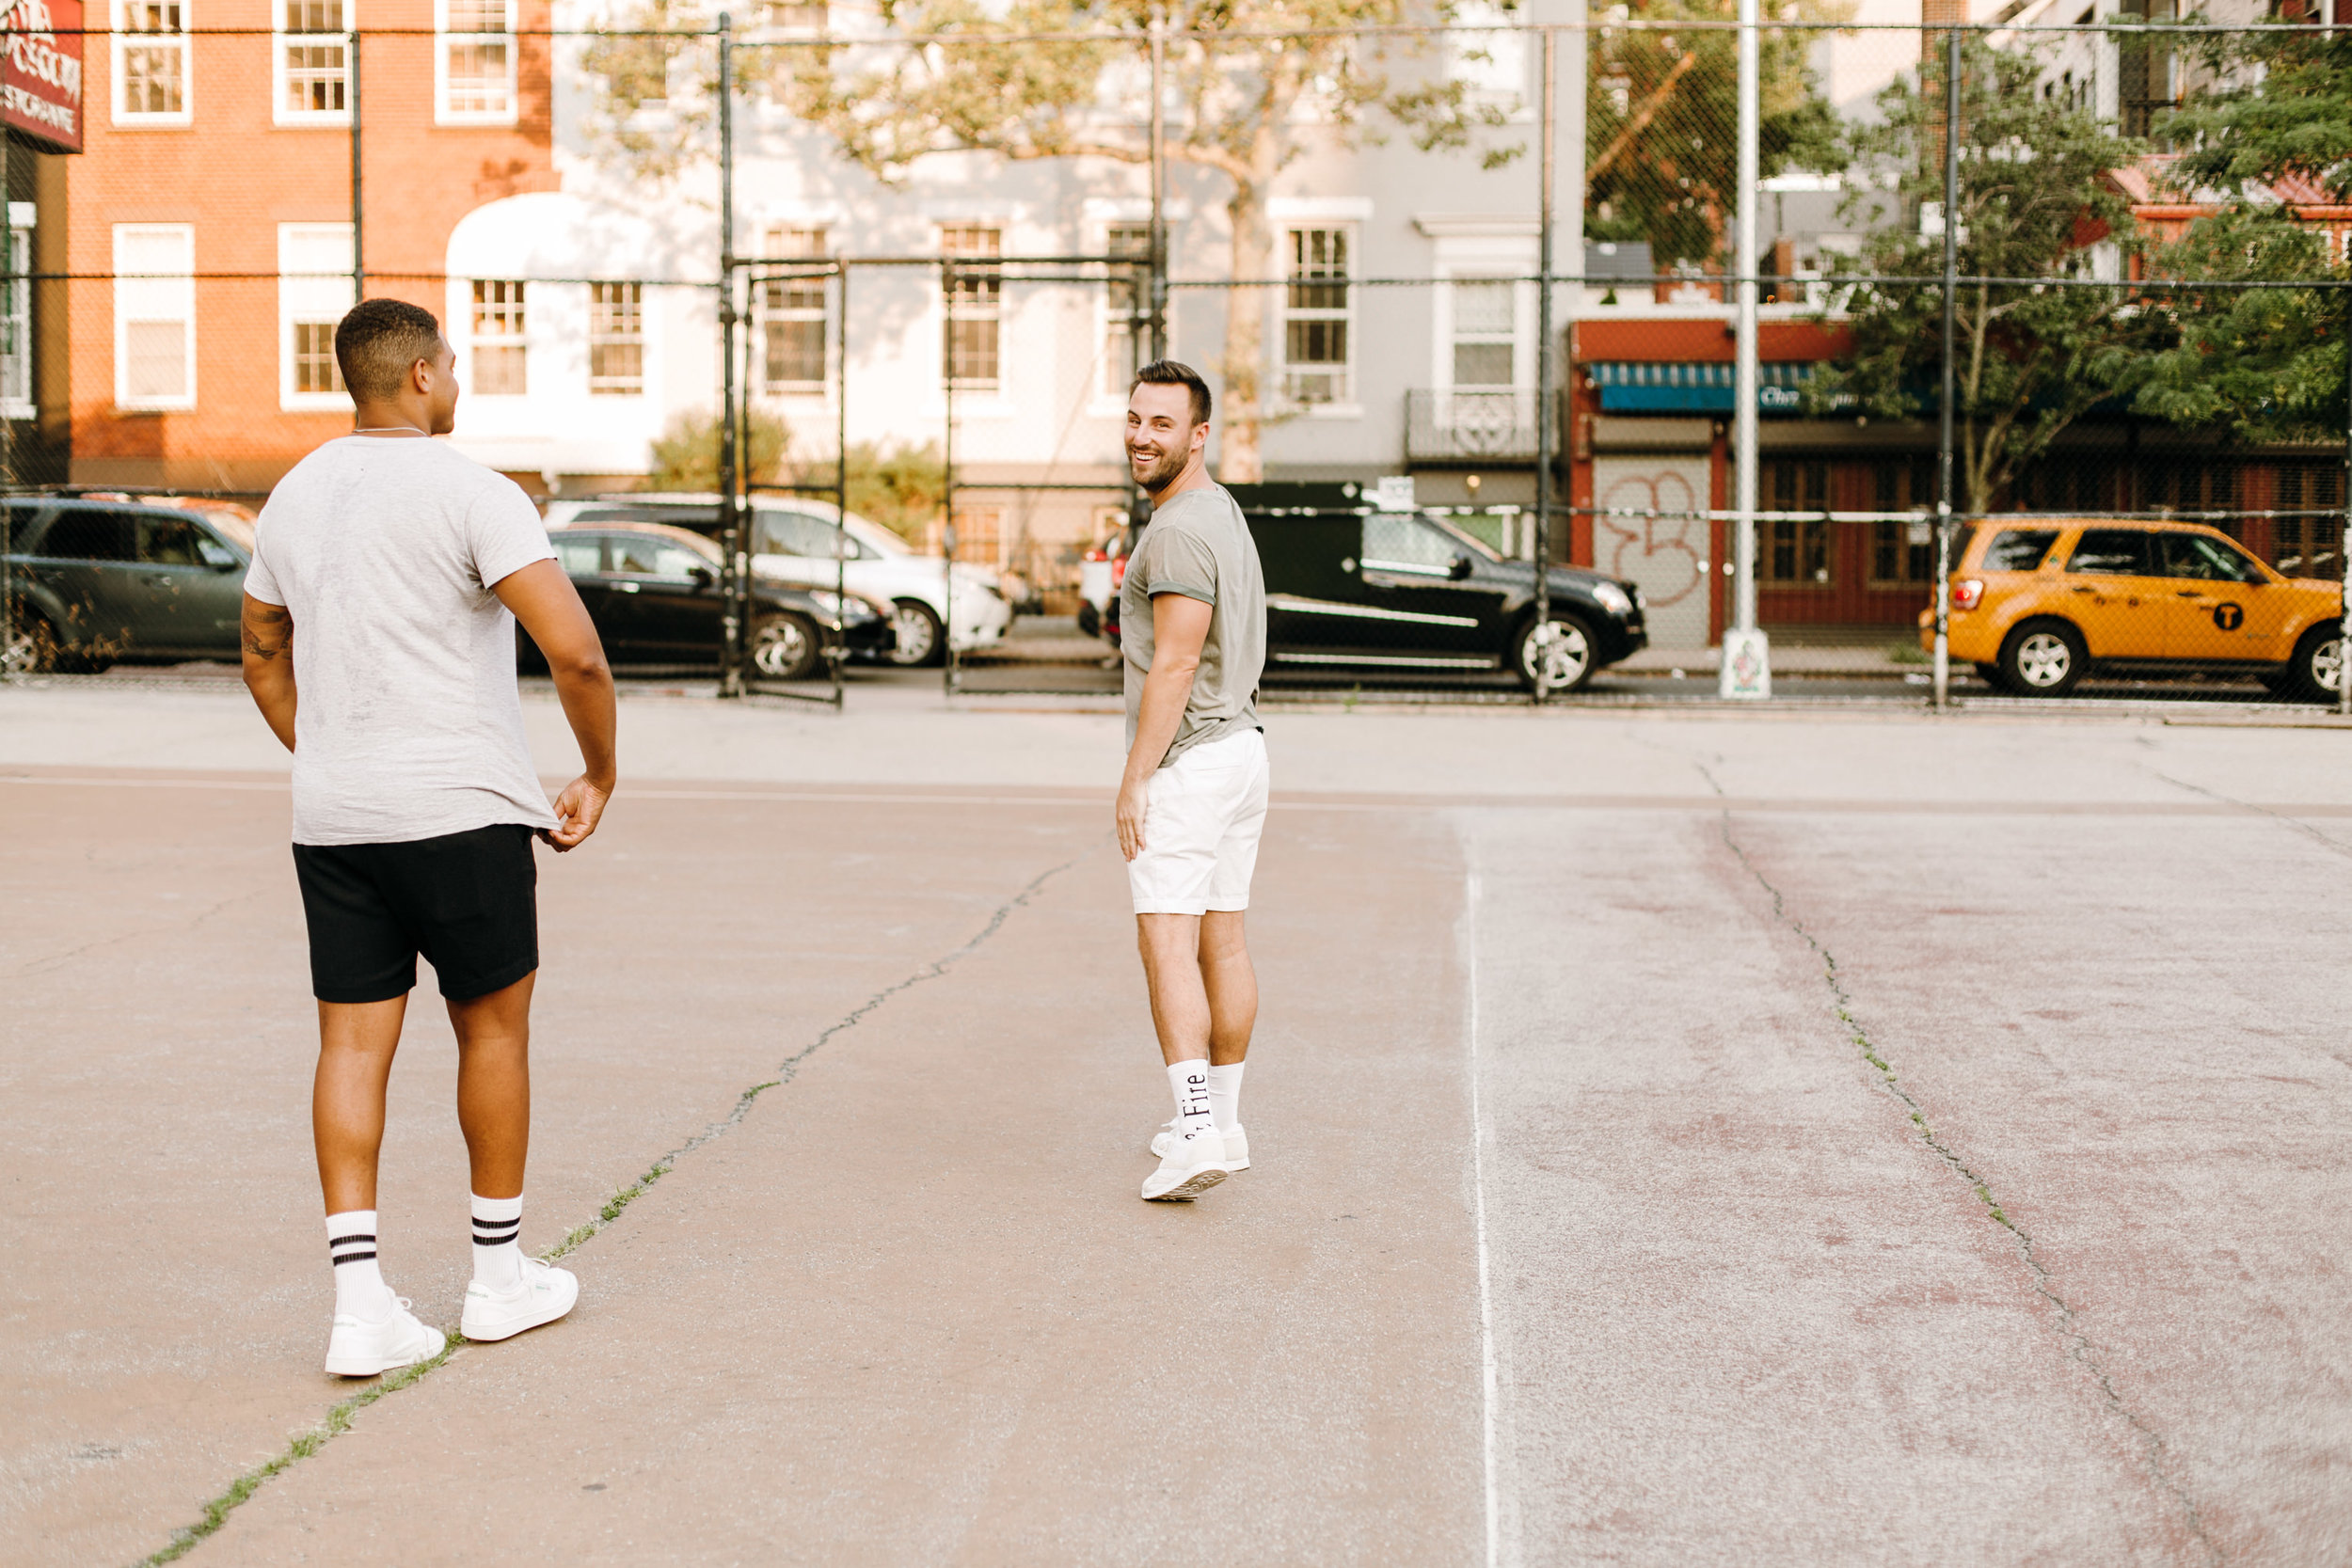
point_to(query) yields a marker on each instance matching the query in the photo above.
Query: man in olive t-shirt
(1192, 620)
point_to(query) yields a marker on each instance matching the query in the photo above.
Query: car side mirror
(1460, 569)
(702, 578)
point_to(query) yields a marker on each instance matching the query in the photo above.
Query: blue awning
(1684, 387)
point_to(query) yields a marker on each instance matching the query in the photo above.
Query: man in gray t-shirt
(1192, 624)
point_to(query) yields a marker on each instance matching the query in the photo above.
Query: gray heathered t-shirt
(407, 724)
(1198, 546)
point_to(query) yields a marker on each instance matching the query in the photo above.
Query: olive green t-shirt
(1198, 546)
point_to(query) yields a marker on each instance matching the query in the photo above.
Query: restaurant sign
(41, 83)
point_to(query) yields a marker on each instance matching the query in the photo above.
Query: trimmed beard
(1166, 469)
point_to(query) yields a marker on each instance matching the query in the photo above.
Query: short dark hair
(377, 341)
(1170, 373)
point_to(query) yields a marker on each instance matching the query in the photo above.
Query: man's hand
(578, 809)
(544, 600)
(1133, 797)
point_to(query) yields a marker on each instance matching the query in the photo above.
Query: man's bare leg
(356, 1040)
(1170, 945)
(494, 1086)
(1231, 987)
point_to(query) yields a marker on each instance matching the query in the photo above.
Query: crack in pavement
(2080, 1348)
(2296, 822)
(338, 1418)
(50, 961)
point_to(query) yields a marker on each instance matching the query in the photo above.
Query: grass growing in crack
(338, 1422)
(2078, 1346)
(337, 1419)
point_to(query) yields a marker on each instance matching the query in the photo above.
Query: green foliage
(2262, 364)
(686, 454)
(1661, 133)
(2035, 193)
(903, 487)
(651, 97)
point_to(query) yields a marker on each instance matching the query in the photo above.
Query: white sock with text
(1190, 1081)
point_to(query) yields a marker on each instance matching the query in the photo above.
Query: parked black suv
(1350, 586)
(97, 581)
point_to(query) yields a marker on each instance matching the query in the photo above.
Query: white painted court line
(1490, 1378)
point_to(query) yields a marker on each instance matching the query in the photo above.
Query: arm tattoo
(268, 630)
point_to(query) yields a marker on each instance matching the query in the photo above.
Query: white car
(793, 539)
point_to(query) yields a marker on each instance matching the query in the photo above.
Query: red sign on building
(40, 82)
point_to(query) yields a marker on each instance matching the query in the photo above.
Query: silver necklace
(387, 430)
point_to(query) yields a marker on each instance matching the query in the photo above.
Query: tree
(2275, 135)
(686, 454)
(1244, 108)
(2036, 198)
(1662, 125)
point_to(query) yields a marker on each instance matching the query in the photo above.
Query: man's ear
(420, 377)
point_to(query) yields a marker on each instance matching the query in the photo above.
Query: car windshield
(659, 555)
(2202, 558)
(1468, 540)
(875, 537)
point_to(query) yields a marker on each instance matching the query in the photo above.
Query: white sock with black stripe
(359, 1288)
(497, 1250)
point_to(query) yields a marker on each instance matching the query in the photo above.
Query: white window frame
(768, 310)
(308, 292)
(985, 305)
(613, 387)
(1343, 404)
(125, 41)
(442, 41)
(477, 340)
(153, 296)
(1113, 329)
(16, 319)
(282, 39)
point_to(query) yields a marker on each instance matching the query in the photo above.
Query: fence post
(1746, 670)
(735, 585)
(1944, 440)
(2344, 549)
(947, 481)
(359, 251)
(841, 474)
(1543, 378)
(1159, 185)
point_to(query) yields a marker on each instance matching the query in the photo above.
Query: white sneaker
(357, 1348)
(1189, 1168)
(546, 1293)
(1236, 1145)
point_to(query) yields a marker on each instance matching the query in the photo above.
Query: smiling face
(1161, 436)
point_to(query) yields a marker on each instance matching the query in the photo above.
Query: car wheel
(919, 638)
(2315, 673)
(31, 649)
(784, 648)
(1568, 662)
(2043, 658)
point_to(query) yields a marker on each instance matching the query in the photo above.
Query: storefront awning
(1687, 387)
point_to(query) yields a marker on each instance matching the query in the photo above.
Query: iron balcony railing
(1466, 424)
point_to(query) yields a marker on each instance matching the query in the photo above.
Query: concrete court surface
(1706, 1139)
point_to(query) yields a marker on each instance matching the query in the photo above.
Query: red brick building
(205, 234)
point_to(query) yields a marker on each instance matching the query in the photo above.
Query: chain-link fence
(855, 311)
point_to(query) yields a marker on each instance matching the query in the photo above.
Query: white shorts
(1200, 825)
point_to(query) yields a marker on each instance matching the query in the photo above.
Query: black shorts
(468, 902)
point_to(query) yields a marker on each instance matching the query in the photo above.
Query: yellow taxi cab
(2038, 603)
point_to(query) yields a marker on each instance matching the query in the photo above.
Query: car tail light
(1098, 555)
(1967, 592)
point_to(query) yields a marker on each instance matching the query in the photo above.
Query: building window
(1902, 554)
(1485, 333)
(971, 328)
(313, 292)
(617, 338)
(152, 62)
(313, 62)
(1317, 309)
(500, 358)
(2309, 547)
(1794, 552)
(1125, 300)
(16, 318)
(980, 536)
(473, 64)
(792, 314)
(154, 315)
